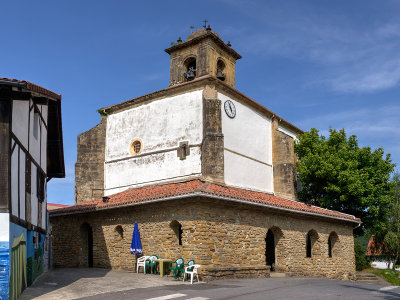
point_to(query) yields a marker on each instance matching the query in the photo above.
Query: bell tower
(203, 53)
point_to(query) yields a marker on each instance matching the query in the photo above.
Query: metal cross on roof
(205, 23)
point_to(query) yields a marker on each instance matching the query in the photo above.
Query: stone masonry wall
(284, 162)
(207, 54)
(89, 168)
(226, 239)
(212, 150)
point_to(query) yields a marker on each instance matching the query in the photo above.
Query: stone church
(208, 174)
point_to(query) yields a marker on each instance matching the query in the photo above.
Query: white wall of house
(34, 199)
(20, 114)
(14, 181)
(43, 149)
(247, 147)
(30, 130)
(22, 158)
(34, 136)
(161, 125)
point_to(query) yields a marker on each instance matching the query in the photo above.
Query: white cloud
(353, 56)
(375, 127)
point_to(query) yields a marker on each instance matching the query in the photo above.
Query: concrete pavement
(102, 284)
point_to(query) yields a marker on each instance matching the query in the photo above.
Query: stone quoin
(208, 173)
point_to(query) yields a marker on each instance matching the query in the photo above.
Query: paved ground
(102, 284)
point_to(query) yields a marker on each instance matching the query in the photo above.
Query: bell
(220, 76)
(190, 75)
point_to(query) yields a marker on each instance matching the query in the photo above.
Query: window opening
(329, 246)
(136, 147)
(220, 69)
(190, 69)
(177, 228)
(308, 245)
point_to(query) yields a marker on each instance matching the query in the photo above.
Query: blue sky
(315, 63)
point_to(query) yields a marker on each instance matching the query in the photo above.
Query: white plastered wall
(22, 184)
(34, 136)
(20, 113)
(43, 158)
(247, 148)
(14, 181)
(34, 199)
(161, 125)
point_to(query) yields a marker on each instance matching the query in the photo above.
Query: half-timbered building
(31, 153)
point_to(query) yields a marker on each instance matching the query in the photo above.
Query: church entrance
(270, 250)
(87, 245)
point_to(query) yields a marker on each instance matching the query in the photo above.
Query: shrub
(359, 252)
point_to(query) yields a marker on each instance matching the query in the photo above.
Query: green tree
(337, 174)
(392, 234)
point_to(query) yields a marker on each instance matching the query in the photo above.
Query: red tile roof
(51, 206)
(201, 188)
(374, 248)
(32, 87)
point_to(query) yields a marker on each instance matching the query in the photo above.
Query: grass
(390, 276)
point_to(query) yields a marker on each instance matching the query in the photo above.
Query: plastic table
(161, 262)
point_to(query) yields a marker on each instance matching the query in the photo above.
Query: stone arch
(86, 245)
(119, 232)
(177, 229)
(312, 238)
(333, 243)
(272, 246)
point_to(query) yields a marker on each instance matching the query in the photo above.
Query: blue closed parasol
(136, 246)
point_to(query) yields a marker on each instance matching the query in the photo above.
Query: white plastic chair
(192, 272)
(140, 262)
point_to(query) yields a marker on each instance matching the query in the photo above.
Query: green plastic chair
(150, 263)
(177, 266)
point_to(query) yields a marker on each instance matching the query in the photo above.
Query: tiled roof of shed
(32, 87)
(374, 248)
(201, 188)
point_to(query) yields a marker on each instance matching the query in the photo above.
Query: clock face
(230, 109)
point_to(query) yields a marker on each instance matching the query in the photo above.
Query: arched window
(177, 228)
(332, 239)
(120, 232)
(308, 245)
(190, 68)
(311, 239)
(220, 69)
